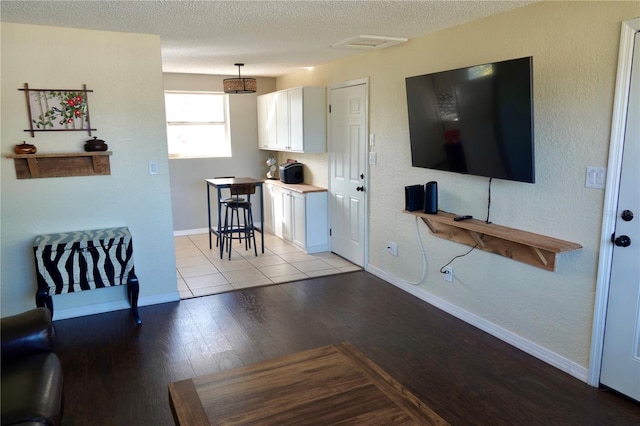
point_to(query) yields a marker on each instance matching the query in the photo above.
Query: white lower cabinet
(267, 196)
(272, 208)
(300, 218)
(286, 215)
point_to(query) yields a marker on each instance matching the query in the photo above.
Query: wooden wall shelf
(533, 249)
(29, 166)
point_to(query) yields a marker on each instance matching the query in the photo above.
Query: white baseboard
(186, 232)
(100, 308)
(533, 349)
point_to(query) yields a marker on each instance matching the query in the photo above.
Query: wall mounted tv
(476, 120)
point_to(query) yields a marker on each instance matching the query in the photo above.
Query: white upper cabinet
(267, 121)
(282, 120)
(293, 120)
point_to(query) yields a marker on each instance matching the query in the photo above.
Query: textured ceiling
(271, 37)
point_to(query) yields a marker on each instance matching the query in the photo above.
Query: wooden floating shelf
(533, 249)
(63, 164)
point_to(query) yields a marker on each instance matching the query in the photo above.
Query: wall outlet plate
(392, 247)
(448, 274)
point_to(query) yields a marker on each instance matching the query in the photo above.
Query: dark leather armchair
(32, 381)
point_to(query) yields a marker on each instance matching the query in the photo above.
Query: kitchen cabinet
(268, 199)
(297, 216)
(282, 120)
(299, 219)
(293, 120)
(267, 121)
(274, 211)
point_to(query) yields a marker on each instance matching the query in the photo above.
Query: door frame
(365, 154)
(614, 169)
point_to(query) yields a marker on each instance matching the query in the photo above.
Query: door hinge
(329, 108)
(329, 231)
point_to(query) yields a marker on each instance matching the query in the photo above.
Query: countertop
(302, 188)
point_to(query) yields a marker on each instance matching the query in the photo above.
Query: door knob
(627, 215)
(622, 241)
(360, 188)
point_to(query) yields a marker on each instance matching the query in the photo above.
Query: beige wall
(574, 47)
(127, 109)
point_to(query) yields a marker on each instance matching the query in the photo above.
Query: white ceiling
(271, 37)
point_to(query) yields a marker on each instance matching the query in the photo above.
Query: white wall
(188, 195)
(127, 109)
(574, 47)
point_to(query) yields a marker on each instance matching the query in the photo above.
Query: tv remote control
(465, 217)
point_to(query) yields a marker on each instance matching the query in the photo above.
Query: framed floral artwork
(56, 110)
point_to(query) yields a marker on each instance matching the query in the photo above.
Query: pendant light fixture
(240, 84)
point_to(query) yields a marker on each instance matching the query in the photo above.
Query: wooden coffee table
(328, 385)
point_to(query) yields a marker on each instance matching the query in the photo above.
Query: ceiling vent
(369, 42)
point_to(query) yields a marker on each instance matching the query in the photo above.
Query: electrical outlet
(392, 247)
(448, 274)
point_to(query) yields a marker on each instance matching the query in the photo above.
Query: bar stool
(233, 206)
(223, 198)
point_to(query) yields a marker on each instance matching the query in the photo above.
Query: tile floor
(201, 272)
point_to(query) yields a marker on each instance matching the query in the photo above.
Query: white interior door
(621, 350)
(347, 169)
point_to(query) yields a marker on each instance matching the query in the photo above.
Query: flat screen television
(476, 120)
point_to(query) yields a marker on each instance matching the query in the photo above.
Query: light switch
(373, 158)
(153, 167)
(596, 177)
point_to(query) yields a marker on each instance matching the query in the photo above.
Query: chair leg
(244, 228)
(225, 232)
(247, 240)
(218, 237)
(234, 229)
(252, 231)
(230, 246)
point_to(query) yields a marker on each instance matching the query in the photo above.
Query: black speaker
(431, 197)
(413, 197)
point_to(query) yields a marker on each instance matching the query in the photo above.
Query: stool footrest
(234, 229)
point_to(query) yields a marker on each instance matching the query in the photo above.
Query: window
(197, 124)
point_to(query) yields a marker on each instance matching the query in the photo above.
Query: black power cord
(489, 202)
(442, 271)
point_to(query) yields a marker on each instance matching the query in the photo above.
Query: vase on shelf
(25, 148)
(95, 144)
